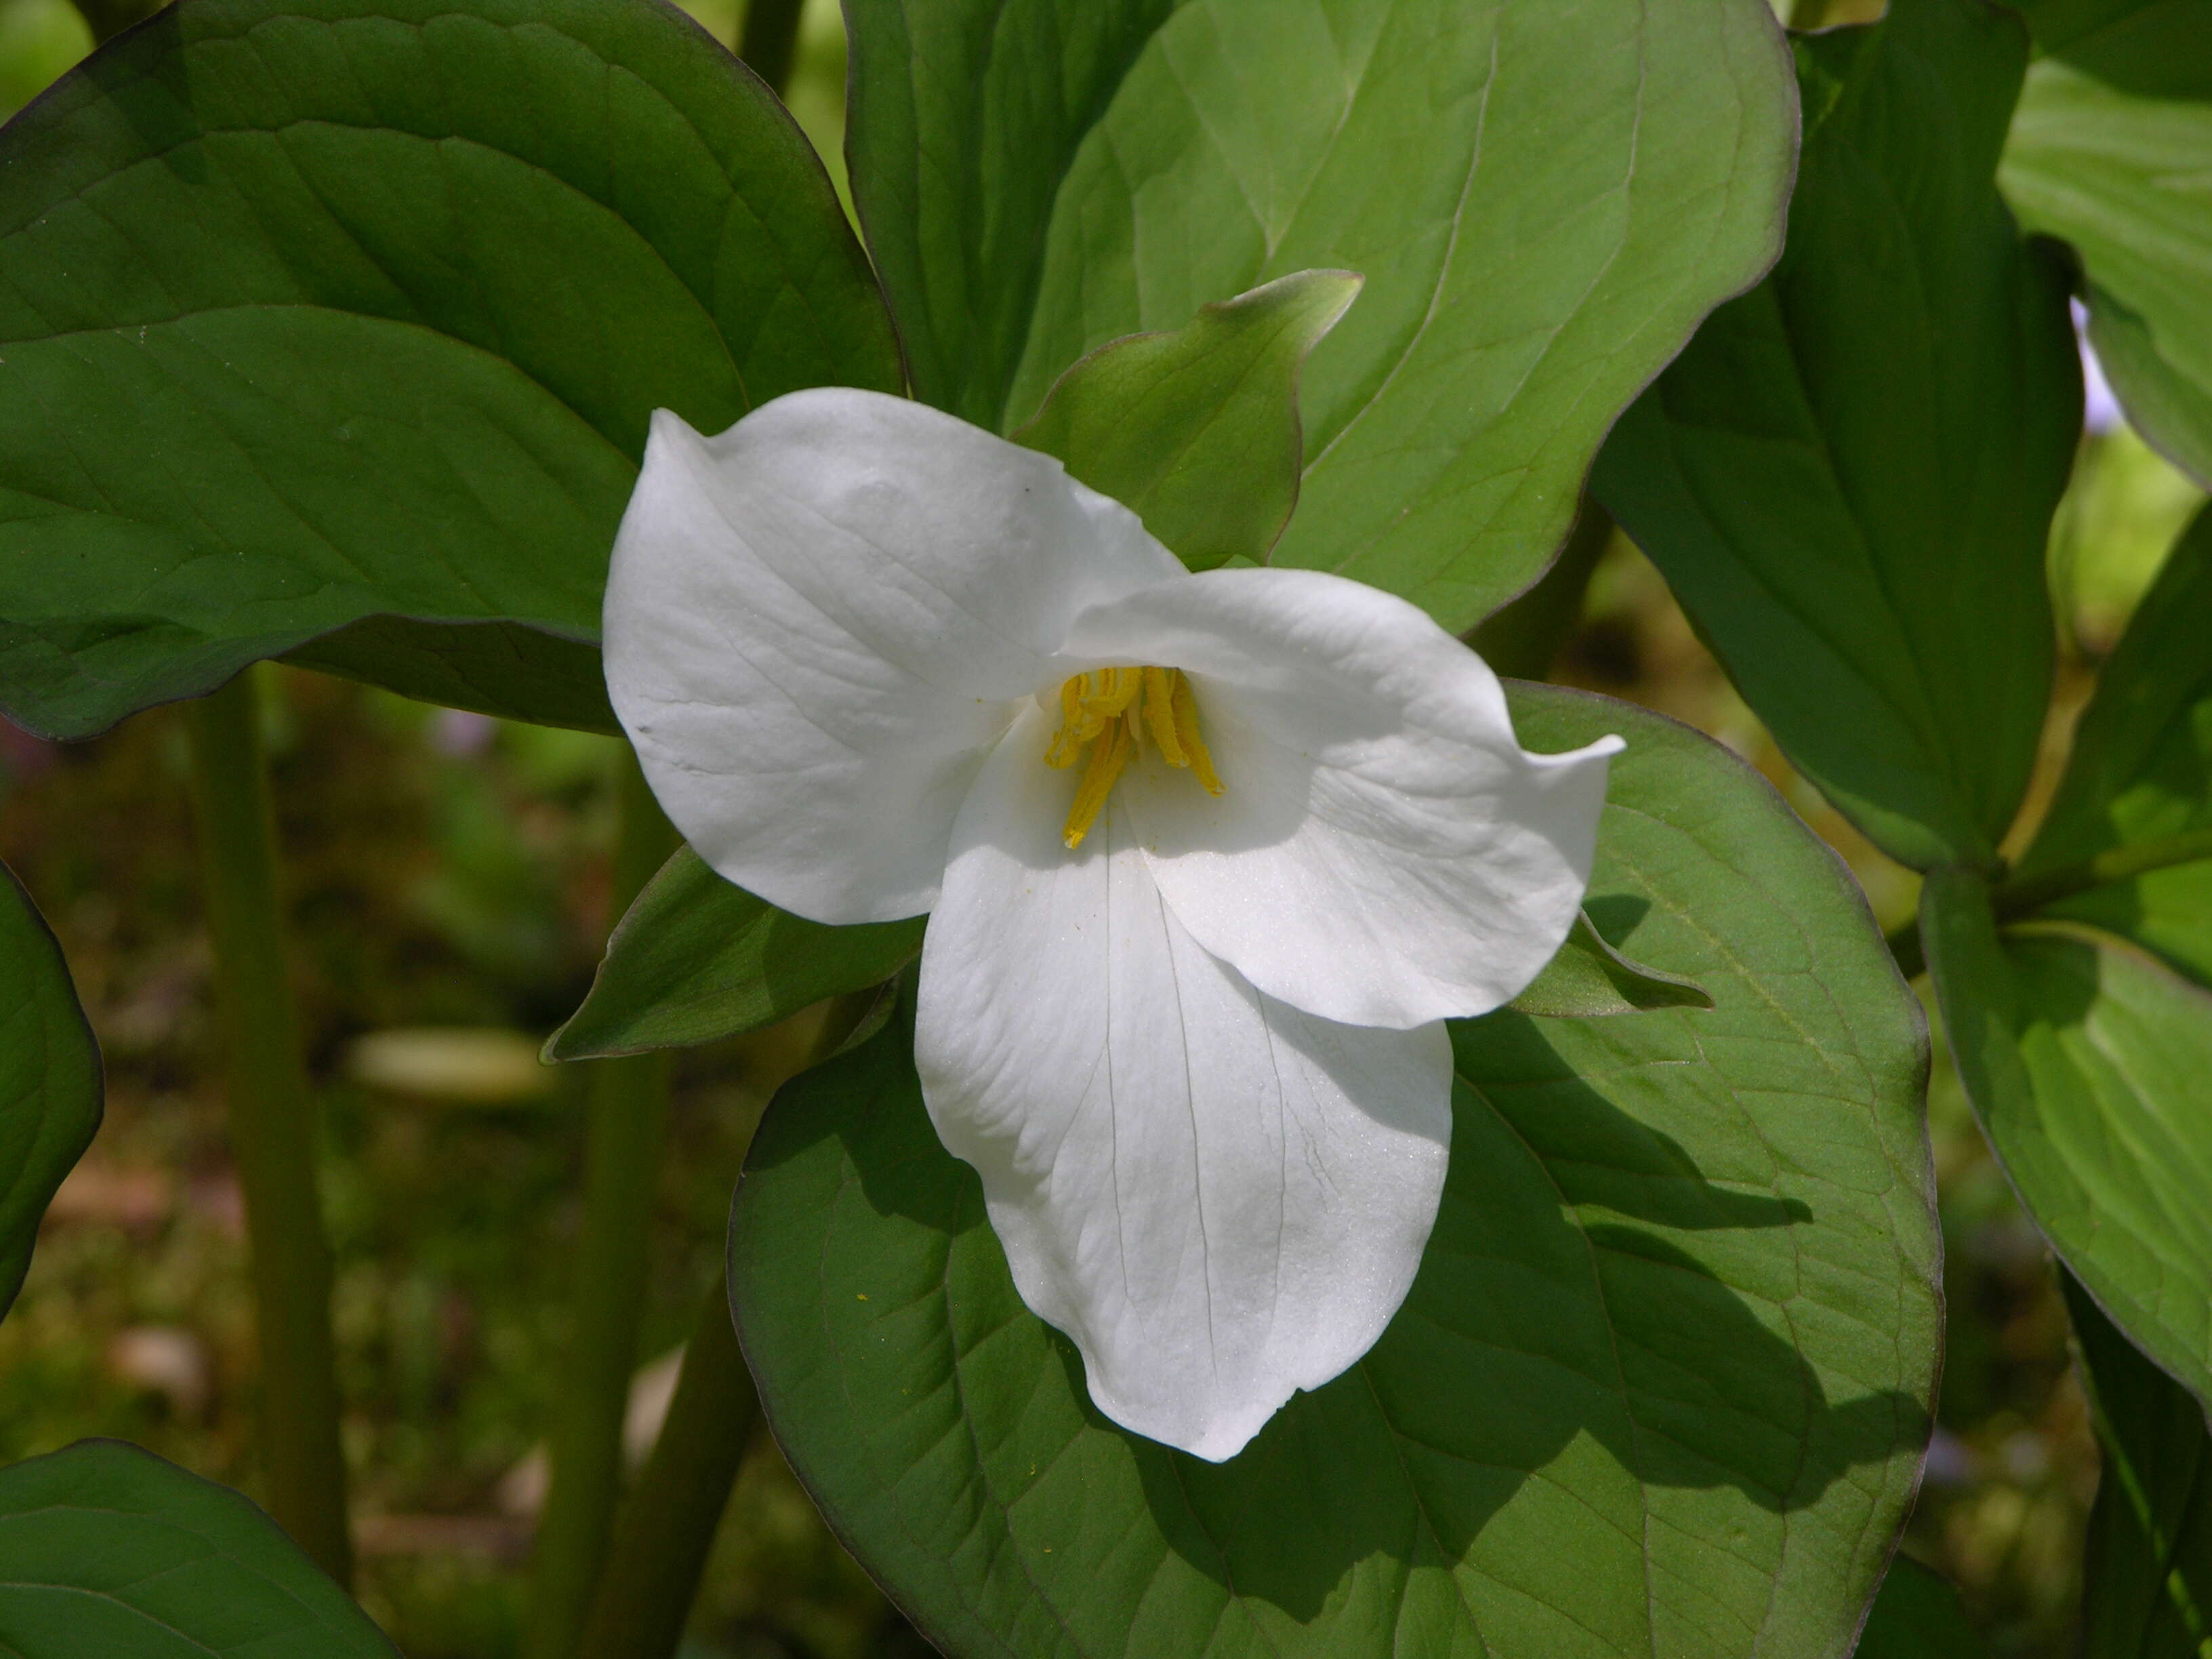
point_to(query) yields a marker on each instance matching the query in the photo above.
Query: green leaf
(2148, 1593)
(1849, 478)
(49, 1081)
(1917, 1616)
(697, 958)
(504, 669)
(1662, 1385)
(110, 1551)
(2108, 152)
(2085, 1058)
(1588, 977)
(1544, 201)
(2139, 772)
(322, 310)
(1196, 429)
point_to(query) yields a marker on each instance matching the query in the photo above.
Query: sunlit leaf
(320, 310)
(697, 958)
(49, 1081)
(1543, 201)
(1849, 476)
(1588, 977)
(1196, 429)
(105, 1551)
(2140, 773)
(2085, 1058)
(2108, 151)
(1661, 1387)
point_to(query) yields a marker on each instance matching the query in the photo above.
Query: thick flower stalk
(1209, 859)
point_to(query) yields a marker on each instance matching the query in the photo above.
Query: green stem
(2012, 900)
(669, 1523)
(629, 1103)
(1521, 639)
(272, 1125)
(770, 39)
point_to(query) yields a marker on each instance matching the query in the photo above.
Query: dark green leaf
(697, 958)
(2148, 1588)
(1849, 476)
(2108, 151)
(50, 1081)
(504, 669)
(1917, 1616)
(2140, 773)
(320, 310)
(2085, 1058)
(1660, 1386)
(1543, 201)
(1589, 977)
(108, 1552)
(1196, 429)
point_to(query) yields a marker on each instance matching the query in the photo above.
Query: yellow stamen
(1186, 730)
(1107, 714)
(1109, 755)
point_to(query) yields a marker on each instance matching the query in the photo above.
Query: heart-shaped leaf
(324, 310)
(1543, 201)
(697, 958)
(1849, 476)
(105, 1551)
(50, 1081)
(1660, 1386)
(2085, 1058)
(1196, 429)
(2108, 151)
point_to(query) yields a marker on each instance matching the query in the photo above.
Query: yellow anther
(1107, 713)
(1109, 753)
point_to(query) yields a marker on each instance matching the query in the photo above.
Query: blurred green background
(449, 891)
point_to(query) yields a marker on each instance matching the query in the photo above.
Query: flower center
(1107, 713)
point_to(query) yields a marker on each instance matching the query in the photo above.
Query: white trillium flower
(1209, 859)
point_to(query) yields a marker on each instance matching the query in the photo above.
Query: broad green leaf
(2109, 151)
(1543, 201)
(325, 310)
(1588, 977)
(506, 669)
(108, 1552)
(2140, 773)
(1849, 476)
(2085, 1058)
(50, 1082)
(697, 958)
(2148, 1593)
(1196, 429)
(1917, 1615)
(1661, 1387)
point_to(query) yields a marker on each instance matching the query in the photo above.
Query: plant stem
(669, 1523)
(2012, 900)
(628, 1102)
(769, 39)
(272, 1125)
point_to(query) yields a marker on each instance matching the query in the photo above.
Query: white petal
(1385, 852)
(1221, 1200)
(816, 622)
